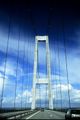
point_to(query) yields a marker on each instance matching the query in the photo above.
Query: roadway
(47, 114)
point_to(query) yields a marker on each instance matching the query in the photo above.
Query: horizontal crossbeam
(41, 38)
(42, 81)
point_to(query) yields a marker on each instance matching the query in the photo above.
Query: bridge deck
(47, 114)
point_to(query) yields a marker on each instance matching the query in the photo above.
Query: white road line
(33, 115)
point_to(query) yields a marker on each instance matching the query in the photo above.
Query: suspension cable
(5, 63)
(59, 70)
(48, 27)
(30, 54)
(16, 82)
(28, 67)
(65, 51)
(46, 77)
(23, 68)
(40, 94)
(32, 23)
(55, 73)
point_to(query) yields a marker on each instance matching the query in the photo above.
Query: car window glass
(75, 111)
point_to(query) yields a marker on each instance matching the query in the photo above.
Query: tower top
(42, 38)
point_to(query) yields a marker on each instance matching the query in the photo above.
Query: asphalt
(47, 114)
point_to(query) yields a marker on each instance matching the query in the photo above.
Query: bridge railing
(18, 114)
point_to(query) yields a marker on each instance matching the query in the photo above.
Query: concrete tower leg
(34, 76)
(49, 74)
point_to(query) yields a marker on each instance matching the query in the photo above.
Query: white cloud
(13, 46)
(73, 63)
(1, 81)
(74, 93)
(26, 95)
(63, 87)
(11, 69)
(57, 77)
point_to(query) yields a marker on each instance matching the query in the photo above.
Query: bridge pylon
(46, 80)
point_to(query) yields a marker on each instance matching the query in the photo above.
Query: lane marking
(51, 115)
(33, 115)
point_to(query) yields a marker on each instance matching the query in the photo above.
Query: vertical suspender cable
(59, 72)
(65, 50)
(55, 71)
(55, 75)
(48, 26)
(58, 59)
(40, 94)
(29, 48)
(17, 71)
(5, 64)
(47, 97)
(33, 26)
(46, 77)
(29, 64)
(38, 77)
(24, 44)
(27, 68)
(23, 69)
(30, 54)
(32, 22)
(27, 74)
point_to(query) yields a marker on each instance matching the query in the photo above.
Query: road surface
(47, 114)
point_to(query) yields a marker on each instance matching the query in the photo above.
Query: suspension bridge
(37, 64)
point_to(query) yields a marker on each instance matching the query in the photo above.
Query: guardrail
(16, 115)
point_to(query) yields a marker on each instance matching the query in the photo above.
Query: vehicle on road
(72, 114)
(42, 109)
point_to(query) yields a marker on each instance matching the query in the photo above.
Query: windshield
(75, 111)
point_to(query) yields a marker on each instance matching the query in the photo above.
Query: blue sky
(63, 25)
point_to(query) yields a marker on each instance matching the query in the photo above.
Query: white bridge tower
(46, 80)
